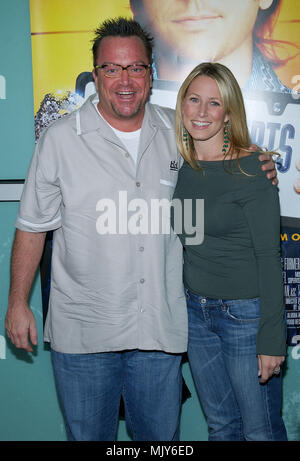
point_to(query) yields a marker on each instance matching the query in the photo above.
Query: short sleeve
(40, 204)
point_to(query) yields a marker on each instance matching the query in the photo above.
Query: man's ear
(95, 77)
(151, 76)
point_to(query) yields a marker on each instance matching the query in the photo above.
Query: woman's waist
(203, 298)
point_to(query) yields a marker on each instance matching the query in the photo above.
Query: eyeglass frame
(146, 67)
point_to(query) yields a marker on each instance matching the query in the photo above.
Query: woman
(233, 279)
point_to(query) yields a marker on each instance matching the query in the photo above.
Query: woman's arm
(260, 203)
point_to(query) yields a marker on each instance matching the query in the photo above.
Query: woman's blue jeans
(90, 386)
(223, 361)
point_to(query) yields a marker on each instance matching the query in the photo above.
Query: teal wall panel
(291, 393)
(28, 403)
(16, 93)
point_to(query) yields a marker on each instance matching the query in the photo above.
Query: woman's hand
(269, 365)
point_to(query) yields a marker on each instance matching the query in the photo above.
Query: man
(117, 316)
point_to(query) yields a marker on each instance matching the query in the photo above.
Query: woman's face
(203, 113)
(203, 29)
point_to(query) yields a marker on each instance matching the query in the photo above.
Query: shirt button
(203, 301)
(126, 155)
(142, 280)
(142, 310)
(138, 184)
(141, 248)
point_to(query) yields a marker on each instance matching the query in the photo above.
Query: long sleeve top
(240, 255)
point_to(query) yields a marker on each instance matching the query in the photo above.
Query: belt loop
(187, 293)
(223, 305)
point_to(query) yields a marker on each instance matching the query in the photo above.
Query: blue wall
(16, 94)
(28, 404)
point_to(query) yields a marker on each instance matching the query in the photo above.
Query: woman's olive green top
(240, 255)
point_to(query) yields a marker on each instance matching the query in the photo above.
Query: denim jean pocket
(243, 310)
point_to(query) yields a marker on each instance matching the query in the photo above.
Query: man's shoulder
(161, 109)
(66, 122)
(83, 114)
(165, 116)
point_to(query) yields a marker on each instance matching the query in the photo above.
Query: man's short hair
(121, 27)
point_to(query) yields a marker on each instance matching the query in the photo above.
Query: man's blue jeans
(90, 386)
(222, 356)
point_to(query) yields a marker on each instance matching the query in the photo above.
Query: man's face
(122, 99)
(202, 29)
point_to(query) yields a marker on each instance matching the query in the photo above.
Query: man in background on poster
(232, 33)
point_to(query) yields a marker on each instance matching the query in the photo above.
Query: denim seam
(114, 424)
(127, 413)
(268, 413)
(229, 314)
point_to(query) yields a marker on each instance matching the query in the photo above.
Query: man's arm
(20, 322)
(269, 167)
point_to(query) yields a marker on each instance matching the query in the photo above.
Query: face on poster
(189, 32)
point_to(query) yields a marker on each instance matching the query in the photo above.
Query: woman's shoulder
(250, 164)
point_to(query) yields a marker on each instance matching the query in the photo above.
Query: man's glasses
(133, 70)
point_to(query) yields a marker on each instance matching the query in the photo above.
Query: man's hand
(270, 167)
(20, 322)
(21, 327)
(267, 364)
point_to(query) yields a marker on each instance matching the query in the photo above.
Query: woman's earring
(226, 139)
(185, 138)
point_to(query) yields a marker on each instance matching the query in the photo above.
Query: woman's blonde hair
(233, 104)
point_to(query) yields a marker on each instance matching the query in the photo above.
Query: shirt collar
(88, 120)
